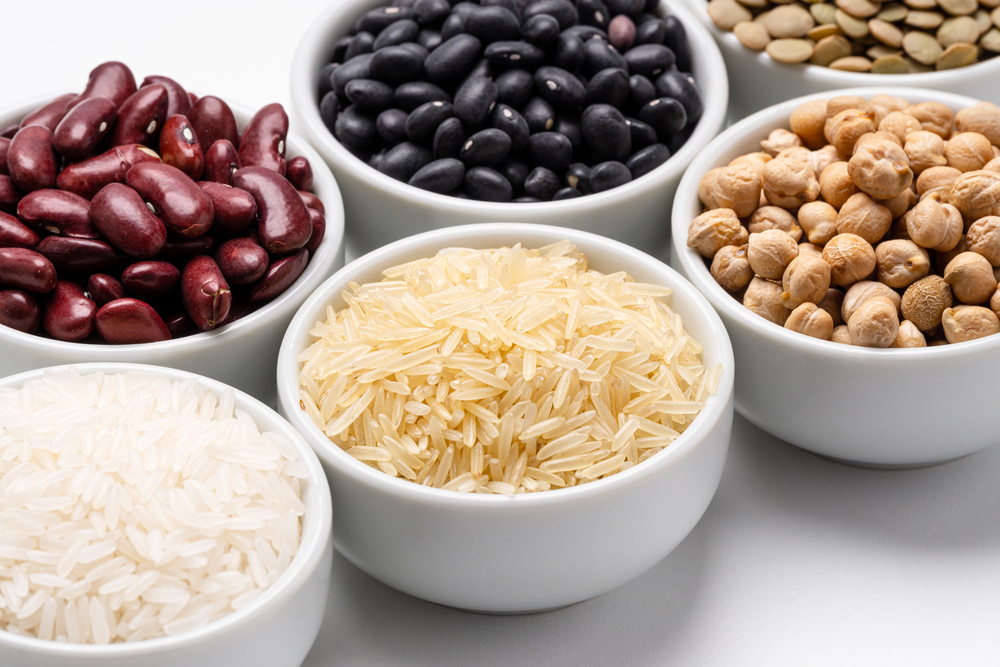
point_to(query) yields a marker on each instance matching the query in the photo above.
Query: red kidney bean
(15, 234)
(112, 80)
(129, 322)
(262, 143)
(122, 216)
(312, 201)
(241, 307)
(151, 279)
(280, 276)
(4, 147)
(58, 212)
(299, 173)
(205, 293)
(178, 100)
(31, 160)
(178, 324)
(83, 255)
(9, 131)
(26, 269)
(184, 207)
(103, 288)
(83, 126)
(284, 224)
(179, 251)
(86, 178)
(241, 260)
(319, 231)
(19, 310)
(9, 195)
(235, 209)
(140, 116)
(193, 98)
(49, 115)
(69, 314)
(221, 162)
(213, 120)
(179, 146)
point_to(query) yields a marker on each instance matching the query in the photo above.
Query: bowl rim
(839, 78)
(713, 86)
(389, 255)
(759, 124)
(330, 247)
(315, 534)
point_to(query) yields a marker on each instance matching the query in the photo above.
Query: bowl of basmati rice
(150, 517)
(513, 417)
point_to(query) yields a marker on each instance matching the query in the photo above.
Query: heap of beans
(899, 207)
(142, 214)
(519, 100)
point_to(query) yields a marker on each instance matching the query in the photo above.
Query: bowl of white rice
(513, 417)
(151, 517)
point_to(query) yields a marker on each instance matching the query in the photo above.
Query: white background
(798, 561)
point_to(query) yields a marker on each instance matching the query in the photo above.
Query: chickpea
(886, 104)
(833, 303)
(850, 257)
(844, 128)
(933, 117)
(965, 323)
(983, 118)
(809, 320)
(819, 221)
(778, 141)
(901, 203)
(774, 217)
(932, 224)
(909, 336)
(971, 278)
(983, 237)
(925, 300)
(824, 157)
(770, 252)
(731, 268)
(863, 216)
(841, 103)
(799, 154)
(714, 230)
(808, 120)
(874, 323)
(880, 169)
(976, 194)
(807, 278)
(898, 229)
(877, 137)
(899, 124)
(789, 184)
(994, 164)
(937, 179)
(706, 188)
(841, 334)
(942, 258)
(754, 160)
(901, 263)
(763, 298)
(737, 188)
(864, 290)
(924, 150)
(836, 186)
(968, 151)
(995, 299)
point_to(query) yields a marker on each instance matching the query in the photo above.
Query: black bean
(578, 178)
(609, 86)
(474, 101)
(431, 13)
(429, 39)
(540, 29)
(680, 87)
(481, 68)
(391, 126)
(650, 60)
(539, 115)
(559, 87)
(526, 200)
(676, 142)
(463, 9)
(640, 90)
(568, 52)
(569, 126)
(541, 183)
(514, 54)
(398, 33)
(515, 86)
(376, 158)
(403, 161)
(513, 124)
(594, 12)
(485, 148)
(411, 95)
(326, 78)
(651, 6)
(665, 115)
(452, 26)
(355, 128)
(650, 32)
(378, 19)
(562, 10)
(448, 139)
(631, 8)
(361, 43)
(587, 32)
(421, 51)
(606, 132)
(423, 121)
(648, 159)
(329, 107)
(515, 170)
(355, 68)
(439, 176)
(551, 150)
(395, 65)
(340, 48)
(566, 193)
(677, 41)
(493, 24)
(369, 94)
(513, 5)
(449, 63)
(487, 184)
(601, 55)
(458, 194)
(609, 175)
(642, 134)
(403, 3)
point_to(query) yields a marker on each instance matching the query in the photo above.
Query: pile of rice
(134, 507)
(503, 371)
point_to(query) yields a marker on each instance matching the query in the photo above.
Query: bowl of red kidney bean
(142, 223)
(580, 113)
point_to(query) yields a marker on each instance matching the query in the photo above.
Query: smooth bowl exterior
(275, 630)
(243, 353)
(894, 408)
(381, 209)
(757, 81)
(531, 552)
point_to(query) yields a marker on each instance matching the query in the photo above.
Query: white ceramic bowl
(275, 630)
(894, 408)
(243, 353)
(757, 81)
(527, 552)
(381, 209)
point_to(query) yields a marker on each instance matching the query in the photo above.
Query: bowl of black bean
(578, 113)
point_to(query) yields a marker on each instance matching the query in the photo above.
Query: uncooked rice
(135, 507)
(503, 371)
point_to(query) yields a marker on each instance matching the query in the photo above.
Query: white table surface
(798, 561)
